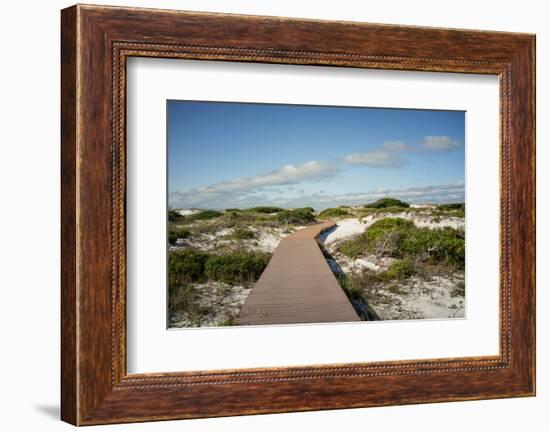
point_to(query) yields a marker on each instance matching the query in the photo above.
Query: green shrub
(174, 215)
(445, 245)
(387, 203)
(185, 266)
(399, 270)
(241, 233)
(233, 210)
(386, 236)
(453, 209)
(233, 215)
(451, 206)
(236, 267)
(265, 210)
(387, 226)
(399, 238)
(297, 216)
(364, 212)
(204, 215)
(356, 288)
(351, 287)
(175, 234)
(246, 218)
(333, 212)
(354, 247)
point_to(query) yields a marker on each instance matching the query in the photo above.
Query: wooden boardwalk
(297, 286)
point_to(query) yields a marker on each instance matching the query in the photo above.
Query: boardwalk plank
(297, 286)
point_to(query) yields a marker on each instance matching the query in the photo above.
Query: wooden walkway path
(297, 286)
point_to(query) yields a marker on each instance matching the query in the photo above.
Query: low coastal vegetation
(204, 215)
(238, 267)
(393, 252)
(241, 233)
(332, 213)
(404, 270)
(265, 210)
(210, 221)
(189, 269)
(299, 216)
(191, 266)
(205, 221)
(400, 238)
(387, 203)
(177, 233)
(454, 209)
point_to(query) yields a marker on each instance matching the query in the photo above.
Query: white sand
(420, 299)
(362, 263)
(344, 229)
(268, 240)
(220, 301)
(426, 220)
(188, 212)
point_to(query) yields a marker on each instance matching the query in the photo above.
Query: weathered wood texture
(69, 396)
(297, 286)
(95, 44)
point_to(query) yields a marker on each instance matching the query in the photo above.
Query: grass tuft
(387, 203)
(241, 233)
(399, 270)
(204, 215)
(175, 234)
(174, 215)
(236, 267)
(186, 266)
(333, 213)
(265, 210)
(297, 216)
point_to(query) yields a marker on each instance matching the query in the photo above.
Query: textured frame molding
(96, 41)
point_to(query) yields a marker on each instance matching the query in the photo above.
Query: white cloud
(396, 146)
(375, 158)
(442, 193)
(280, 186)
(390, 153)
(288, 174)
(387, 155)
(439, 143)
(453, 192)
(216, 194)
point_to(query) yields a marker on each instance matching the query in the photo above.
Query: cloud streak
(241, 187)
(442, 193)
(391, 153)
(439, 143)
(387, 155)
(281, 186)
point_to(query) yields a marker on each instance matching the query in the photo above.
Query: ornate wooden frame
(95, 43)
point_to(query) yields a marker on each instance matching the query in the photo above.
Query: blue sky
(223, 155)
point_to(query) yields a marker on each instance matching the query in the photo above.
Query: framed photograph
(322, 214)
